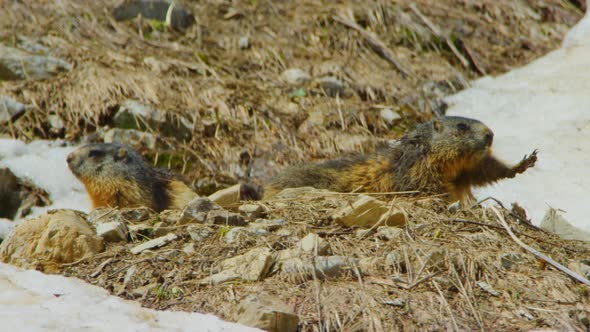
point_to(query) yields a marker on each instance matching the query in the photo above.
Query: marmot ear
(437, 125)
(121, 154)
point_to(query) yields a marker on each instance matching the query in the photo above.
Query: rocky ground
(242, 90)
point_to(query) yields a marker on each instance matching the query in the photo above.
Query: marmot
(117, 176)
(447, 155)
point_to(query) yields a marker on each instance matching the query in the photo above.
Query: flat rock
(228, 197)
(242, 233)
(267, 224)
(313, 244)
(113, 231)
(267, 313)
(322, 266)
(135, 138)
(252, 211)
(10, 109)
(295, 77)
(251, 266)
(155, 243)
(366, 211)
(20, 65)
(389, 116)
(389, 233)
(197, 210)
(133, 114)
(198, 233)
(50, 240)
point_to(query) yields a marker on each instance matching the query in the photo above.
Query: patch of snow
(544, 105)
(33, 301)
(44, 163)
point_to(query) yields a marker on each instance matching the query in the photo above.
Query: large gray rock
(53, 239)
(19, 65)
(367, 211)
(135, 138)
(251, 266)
(133, 114)
(10, 109)
(321, 266)
(267, 313)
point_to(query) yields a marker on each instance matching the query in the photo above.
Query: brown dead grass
(433, 284)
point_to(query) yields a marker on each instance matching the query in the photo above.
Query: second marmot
(446, 155)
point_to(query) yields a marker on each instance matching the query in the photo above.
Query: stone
(198, 233)
(224, 217)
(267, 224)
(251, 266)
(252, 211)
(20, 65)
(50, 240)
(244, 42)
(242, 233)
(488, 288)
(135, 138)
(189, 249)
(197, 210)
(367, 211)
(113, 231)
(322, 266)
(295, 77)
(332, 86)
(389, 233)
(554, 222)
(389, 116)
(228, 197)
(133, 114)
(56, 123)
(312, 242)
(171, 13)
(509, 260)
(155, 243)
(267, 313)
(10, 109)
(284, 233)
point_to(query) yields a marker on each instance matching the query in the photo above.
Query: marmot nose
(69, 158)
(489, 138)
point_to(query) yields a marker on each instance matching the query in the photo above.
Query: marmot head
(455, 135)
(105, 160)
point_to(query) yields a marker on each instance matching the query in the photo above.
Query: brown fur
(117, 176)
(447, 155)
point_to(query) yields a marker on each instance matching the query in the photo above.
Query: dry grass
(445, 262)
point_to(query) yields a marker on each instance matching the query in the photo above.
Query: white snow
(544, 105)
(33, 301)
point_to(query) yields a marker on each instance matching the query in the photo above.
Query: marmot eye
(95, 153)
(462, 126)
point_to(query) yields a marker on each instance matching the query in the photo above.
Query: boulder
(267, 313)
(10, 109)
(367, 211)
(46, 242)
(313, 244)
(20, 65)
